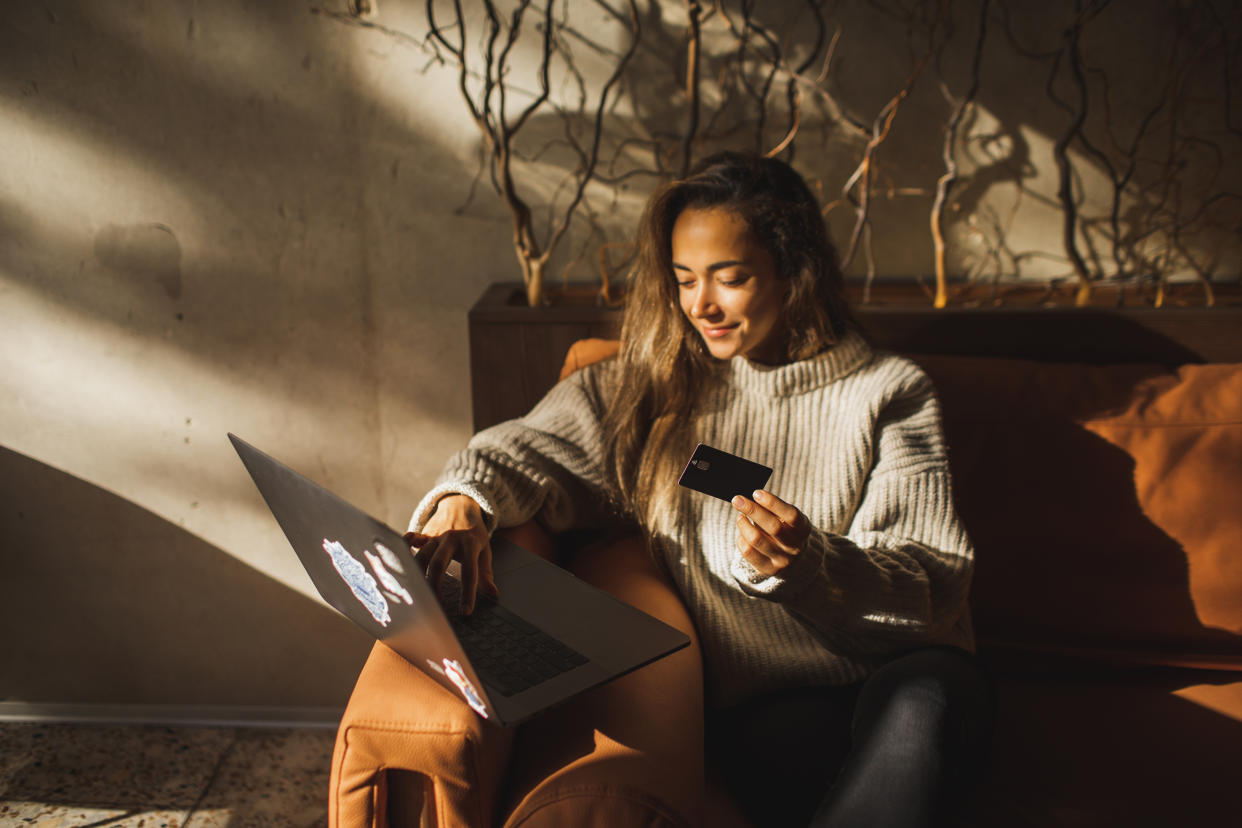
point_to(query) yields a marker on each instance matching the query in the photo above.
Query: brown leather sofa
(1105, 502)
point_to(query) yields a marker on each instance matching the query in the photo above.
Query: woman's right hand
(456, 531)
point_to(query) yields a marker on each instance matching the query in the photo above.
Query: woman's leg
(920, 731)
(631, 751)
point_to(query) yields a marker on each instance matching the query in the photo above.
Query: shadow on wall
(103, 602)
(250, 167)
(1005, 217)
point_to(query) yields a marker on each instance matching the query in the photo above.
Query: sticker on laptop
(386, 579)
(360, 582)
(456, 675)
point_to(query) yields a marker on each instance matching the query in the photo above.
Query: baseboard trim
(184, 715)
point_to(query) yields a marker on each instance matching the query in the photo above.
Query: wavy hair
(664, 365)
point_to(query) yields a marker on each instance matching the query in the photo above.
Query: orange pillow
(1185, 435)
(586, 351)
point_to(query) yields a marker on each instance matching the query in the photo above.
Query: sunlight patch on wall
(130, 414)
(65, 178)
(1008, 215)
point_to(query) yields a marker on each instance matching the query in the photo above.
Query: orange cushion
(585, 351)
(1104, 505)
(1185, 435)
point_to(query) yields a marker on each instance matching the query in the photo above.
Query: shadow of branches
(1059, 158)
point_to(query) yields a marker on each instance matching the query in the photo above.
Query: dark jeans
(900, 748)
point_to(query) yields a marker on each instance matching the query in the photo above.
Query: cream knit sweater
(854, 438)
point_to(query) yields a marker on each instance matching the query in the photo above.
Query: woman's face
(727, 284)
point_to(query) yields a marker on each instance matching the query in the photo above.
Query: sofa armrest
(397, 720)
(406, 746)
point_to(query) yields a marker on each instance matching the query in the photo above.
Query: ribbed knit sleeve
(548, 464)
(901, 571)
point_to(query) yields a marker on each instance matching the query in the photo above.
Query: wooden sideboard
(516, 351)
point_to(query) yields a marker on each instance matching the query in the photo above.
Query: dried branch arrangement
(1087, 142)
(488, 103)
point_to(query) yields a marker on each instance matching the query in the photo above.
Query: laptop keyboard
(508, 653)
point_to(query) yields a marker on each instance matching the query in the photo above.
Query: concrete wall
(252, 217)
(215, 217)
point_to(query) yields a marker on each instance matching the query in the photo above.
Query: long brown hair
(664, 365)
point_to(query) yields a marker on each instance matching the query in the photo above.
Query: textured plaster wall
(214, 217)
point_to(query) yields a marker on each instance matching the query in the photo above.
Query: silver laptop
(546, 639)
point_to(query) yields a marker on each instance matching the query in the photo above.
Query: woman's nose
(704, 304)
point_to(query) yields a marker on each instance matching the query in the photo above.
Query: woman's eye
(734, 281)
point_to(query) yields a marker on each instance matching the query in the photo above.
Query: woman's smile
(717, 331)
(727, 284)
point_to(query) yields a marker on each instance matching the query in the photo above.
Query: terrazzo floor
(80, 776)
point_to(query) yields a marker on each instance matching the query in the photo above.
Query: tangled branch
(945, 184)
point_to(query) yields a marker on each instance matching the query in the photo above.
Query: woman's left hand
(770, 531)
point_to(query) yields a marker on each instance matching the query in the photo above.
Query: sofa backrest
(1105, 503)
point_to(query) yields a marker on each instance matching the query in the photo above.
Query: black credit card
(723, 475)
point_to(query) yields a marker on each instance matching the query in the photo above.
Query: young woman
(831, 606)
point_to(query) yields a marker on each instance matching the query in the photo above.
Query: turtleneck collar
(841, 359)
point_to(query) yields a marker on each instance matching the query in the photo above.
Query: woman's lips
(717, 332)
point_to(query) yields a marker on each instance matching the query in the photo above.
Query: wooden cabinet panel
(516, 351)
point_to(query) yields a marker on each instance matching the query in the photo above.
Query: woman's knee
(636, 741)
(939, 676)
(624, 567)
(613, 785)
(662, 703)
(937, 697)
